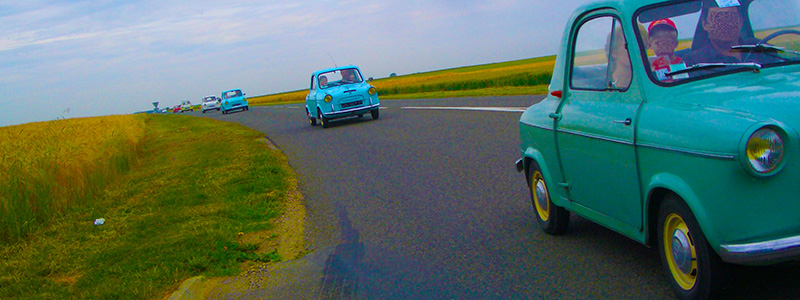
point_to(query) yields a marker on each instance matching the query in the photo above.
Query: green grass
(197, 187)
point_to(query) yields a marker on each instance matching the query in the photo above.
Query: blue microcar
(338, 93)
(233, 100)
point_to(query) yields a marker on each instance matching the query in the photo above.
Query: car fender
(311, 113)
(660, 183)
(321, 109)
(530, 155)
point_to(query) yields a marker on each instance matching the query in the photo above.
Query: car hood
(766, 97)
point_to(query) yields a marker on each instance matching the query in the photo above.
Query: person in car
(722, 25)
(663, 39)
(348, 76)
(619, 64)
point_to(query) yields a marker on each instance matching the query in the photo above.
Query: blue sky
(91, 58)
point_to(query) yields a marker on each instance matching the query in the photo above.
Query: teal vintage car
(233, 100)
(675, 123)
(338, 93)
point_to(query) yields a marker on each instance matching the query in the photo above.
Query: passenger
(323, 81)
(663, 39)
(620, 63)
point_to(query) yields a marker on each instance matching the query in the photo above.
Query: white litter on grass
(100, 221)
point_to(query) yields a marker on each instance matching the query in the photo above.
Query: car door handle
(627, 122)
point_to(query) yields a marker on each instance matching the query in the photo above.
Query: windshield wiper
(761, 48)
(702, 66)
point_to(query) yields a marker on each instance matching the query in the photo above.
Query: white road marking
(500, 109)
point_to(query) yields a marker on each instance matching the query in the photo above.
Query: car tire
(224, 112)
(699, 273)
(376, 113)
(311, 120)
(204, 111)
(553, 219)
(322, 119)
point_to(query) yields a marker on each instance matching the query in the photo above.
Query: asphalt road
(426, 204)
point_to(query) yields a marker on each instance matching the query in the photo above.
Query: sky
(69, 59)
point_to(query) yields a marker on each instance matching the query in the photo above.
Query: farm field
(519, 77)
(171, 208)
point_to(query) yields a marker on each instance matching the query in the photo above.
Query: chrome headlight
(764, 151)
(328, 98)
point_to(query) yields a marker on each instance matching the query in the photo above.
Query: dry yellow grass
(46, 166)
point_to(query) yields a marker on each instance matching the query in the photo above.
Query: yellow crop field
(520, 75)
(48, 166)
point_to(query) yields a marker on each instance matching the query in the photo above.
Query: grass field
(520, 77)
(49, 167)
(184, 197)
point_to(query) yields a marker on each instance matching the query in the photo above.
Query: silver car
(210, 103)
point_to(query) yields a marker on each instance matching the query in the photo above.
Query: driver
(723, 24)
(348, 76)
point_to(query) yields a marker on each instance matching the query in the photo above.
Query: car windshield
(231, 94)
(705, 38)
(209, 99)
(339, 77)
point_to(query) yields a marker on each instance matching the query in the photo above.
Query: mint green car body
(612, 156)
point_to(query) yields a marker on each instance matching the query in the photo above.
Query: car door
(311, 100)
(595, 125)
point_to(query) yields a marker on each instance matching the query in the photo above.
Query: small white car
(210, 102)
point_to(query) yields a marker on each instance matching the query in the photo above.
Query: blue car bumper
(351, 111)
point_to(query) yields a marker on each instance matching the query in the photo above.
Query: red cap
(667, 22)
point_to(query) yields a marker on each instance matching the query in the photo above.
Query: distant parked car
(339, 93)
(210, 102)
(672, 140)
(233, 100)
(176, 109)
(186, 106)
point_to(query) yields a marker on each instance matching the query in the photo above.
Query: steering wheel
(778, 33)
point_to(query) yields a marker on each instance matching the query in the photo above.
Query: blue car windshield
(339, 77)
(231, 94)
(691, 40)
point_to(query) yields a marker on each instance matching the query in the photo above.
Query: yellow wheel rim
(540, 197)
(679, 250)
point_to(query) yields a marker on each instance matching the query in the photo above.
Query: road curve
(425, 203)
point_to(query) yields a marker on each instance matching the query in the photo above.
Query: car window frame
(585, 18)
